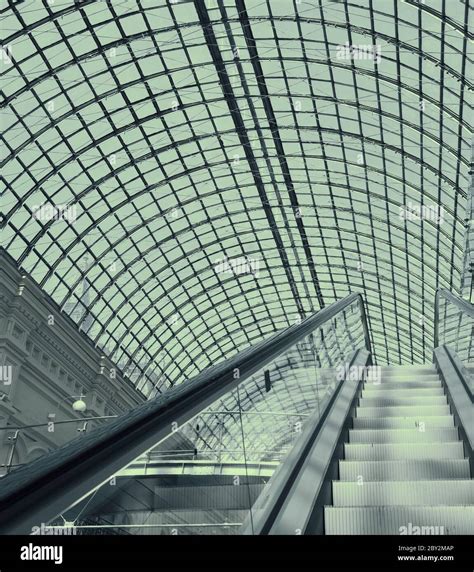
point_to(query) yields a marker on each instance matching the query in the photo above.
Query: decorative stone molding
(52, 364)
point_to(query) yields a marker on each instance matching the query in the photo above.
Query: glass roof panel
(298, 140)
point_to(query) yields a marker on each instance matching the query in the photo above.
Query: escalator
(405, 468)
(319, 440)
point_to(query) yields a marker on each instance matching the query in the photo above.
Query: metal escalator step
(403, 422)
(391, 401)
(426, 368)
(427, 469)
(370, 386)
(400, 520)
(436, 435)
(403, 410)
(404, 378)
(402, 381)
(414, 392)
(403, 493)
(409, 368)
(393, 451)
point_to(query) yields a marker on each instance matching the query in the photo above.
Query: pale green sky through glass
(125, 111)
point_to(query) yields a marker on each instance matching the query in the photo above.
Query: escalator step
(403, 410)
(412, 392)
(393, 451)
(403, 493)
(402, 386)
(404, 463)
(436, 435)
(405, 377)
(428, 469)
(403, 422)
(428, 368)
(400, 520)
(395, 401)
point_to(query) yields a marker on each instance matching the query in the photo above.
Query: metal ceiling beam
(185, 107)
(154, 153)
(132, 37)
(229, 96)
(273, 125)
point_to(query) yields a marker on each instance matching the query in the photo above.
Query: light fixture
(79, 404)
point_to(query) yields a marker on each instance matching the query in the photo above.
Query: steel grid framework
(184, 133)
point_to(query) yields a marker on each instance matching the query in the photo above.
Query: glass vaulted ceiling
(181, 134)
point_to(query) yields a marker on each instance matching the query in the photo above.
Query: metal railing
(21, 430)
(453, 354)
(454, 329)
(463, 305)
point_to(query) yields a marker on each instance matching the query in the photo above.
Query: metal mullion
(240, 127)
(265, 150)
(258, 129)
(367, 191)
(284, 166)
(459, 150)
(140, 174)
(62, 92)
(400, 110)
(323, 142)
(210, 118)
(319, 133)
(141, 254)
(55, 170)
(377, 93)
(422, 134)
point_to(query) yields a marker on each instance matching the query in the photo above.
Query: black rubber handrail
(41, 490)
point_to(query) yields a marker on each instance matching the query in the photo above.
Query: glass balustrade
(455, 329)
(205, 477)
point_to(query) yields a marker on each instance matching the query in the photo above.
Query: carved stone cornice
(52, 348)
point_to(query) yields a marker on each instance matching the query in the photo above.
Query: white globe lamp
(79, 405)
